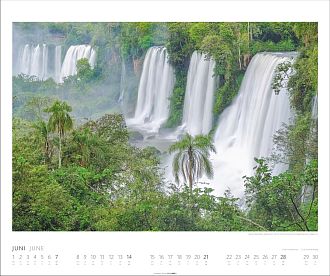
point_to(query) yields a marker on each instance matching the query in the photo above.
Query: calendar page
(164, 137)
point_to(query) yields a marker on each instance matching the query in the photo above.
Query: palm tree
(42, 128)
(59, 121)
(191, 160)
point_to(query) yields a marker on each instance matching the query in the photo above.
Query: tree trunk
(47, 151)
(190, 181)
(299, 214)
(190, 169)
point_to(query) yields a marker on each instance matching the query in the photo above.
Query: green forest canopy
(104, 183)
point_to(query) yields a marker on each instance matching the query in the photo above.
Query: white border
(214, 243)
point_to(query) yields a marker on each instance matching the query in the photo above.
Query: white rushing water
(155, 88)
(315, 108)
(246, 127)
(33, 61)
(198, 103)
(74, 53)
(36, 60)
(58, 63)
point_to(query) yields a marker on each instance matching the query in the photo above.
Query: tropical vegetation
(74, 167)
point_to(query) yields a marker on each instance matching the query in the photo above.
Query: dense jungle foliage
(74, 168)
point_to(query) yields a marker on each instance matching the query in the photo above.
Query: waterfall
(24, 66)
(44, 68)
(246, 127)
(198, 103)
(122, 81)
(36, 69)
(314, 108)
(34, 61)
(42, 61)
(58, 63)
(73, 54)
(155, 88)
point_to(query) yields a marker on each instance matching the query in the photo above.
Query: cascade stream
(246, 128)
(198, 103)
(33, 61)
(44, 61)
(155, 88)
(73, 54)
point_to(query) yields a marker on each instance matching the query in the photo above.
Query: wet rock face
(137, 66)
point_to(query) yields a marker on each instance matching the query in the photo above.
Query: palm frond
(176, 166)
(204, 142)
(191, 160)
(207, 166)
(181, 145)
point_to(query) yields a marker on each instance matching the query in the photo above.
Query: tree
(84, 70)
(192, 158)
(296, 143)
(179, 45)
(84, 140)
(35, 105)
(43, 130)
(59, 121)
(280, 202)
(135, 38)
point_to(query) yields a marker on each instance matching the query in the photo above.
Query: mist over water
(122, 82)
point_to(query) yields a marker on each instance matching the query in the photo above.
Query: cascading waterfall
(44, 61)
(58, 63)
(155, 88)
(24, 65)
(34, 61)
(92, 59)
(74, 53)
(315, 108)
(246, 127)
(198, 103)
(36, 69)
